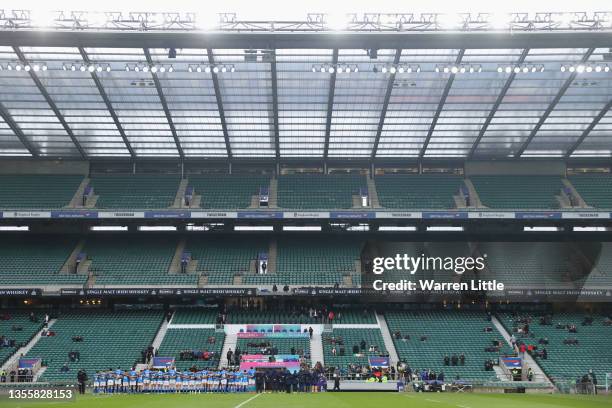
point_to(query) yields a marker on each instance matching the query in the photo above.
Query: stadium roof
(322, 95)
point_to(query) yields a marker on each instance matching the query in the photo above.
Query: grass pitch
(327, 400)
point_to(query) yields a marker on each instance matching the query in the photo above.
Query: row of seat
(16, 325)
(193, 341)
(433, 335)
(300, 191)
(351, 338)
(566, 362)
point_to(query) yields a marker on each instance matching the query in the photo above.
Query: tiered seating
(17, 319)
(448, 333)
(316, 191)
(110, 340)
(601, 274)
(568, 362)
(135, 191)
(518, 192)
(36, 260)
(595, 189)
(193, 340)
(300, 345)
(452, 250)
(343, 316)
(350, 338)
(133, 260)
(224, 191)
(310, 261)
(35, 191)
(425, 191)
(222, 258)
(528, 263)
(195, 316)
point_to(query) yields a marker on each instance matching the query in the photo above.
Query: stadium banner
(452, 215)
(159, 292)
(291, 366)
(28, 362)
(255, 335)
(382, 362)
(20, 292)
(121, 214)
(26, 214)
(265, 357)
(163, 362)
(264, 215)
(512, 362)
(214, 214)
(277, 328)
(74, 214)
(491, 215)
(353, 215)
(582, 215)
(398, 214)
(305, 214)
(167, 214)
(538, 215)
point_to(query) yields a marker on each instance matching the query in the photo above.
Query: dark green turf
(328, 400)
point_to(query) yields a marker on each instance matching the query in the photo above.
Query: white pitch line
(431, 400)
(247, 401)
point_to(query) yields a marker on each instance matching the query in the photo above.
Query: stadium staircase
(528, 361)
(12, 362)
(71, 261)
(580, 202)
(474, 197)
(316, 346)
(272, 256)
(175, 265)
(161, 333)
(179, 199)
(373, 193)
(77, 199)
(273, 197)
(231, 339)
(386, 334)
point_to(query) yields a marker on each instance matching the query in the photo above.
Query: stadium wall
(44, 167)
(509, 168)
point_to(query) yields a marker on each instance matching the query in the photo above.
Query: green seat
(595, 189)
(417, 191)
(350, 338)
(225, 191)
(37, 191)
(316, 191)
(518, 192)
(204, 340)
(135, 191)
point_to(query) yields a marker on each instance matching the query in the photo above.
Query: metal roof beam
(588, 129)
(108, 104)
(275, 102)
(447, 88)
(498, 102)
(383, 112)
(164, 104)
(330, 102)
(17, 130)
(215, 79)
(553, 104)
(51, 103)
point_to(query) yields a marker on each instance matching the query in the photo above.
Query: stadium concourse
(204, 214)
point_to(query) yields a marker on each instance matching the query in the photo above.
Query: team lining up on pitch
(172, 380)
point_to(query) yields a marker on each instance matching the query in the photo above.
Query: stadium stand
(37, 191)
(532, 263)
(595, 189)
(275, 346)
(110, 340)
(315, 261)
(195, 316)
(343, 316)
(316, 191)
(601, 273)
(223, 258)
(36, 260)
(352, 347)
(436, 334)
(223, 191)
(135, 191)
(16, 326)
(193, 347)
(417, 191)
(123, 260)
(518, 192)
(565, 362)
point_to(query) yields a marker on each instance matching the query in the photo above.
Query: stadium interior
(187, 195)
